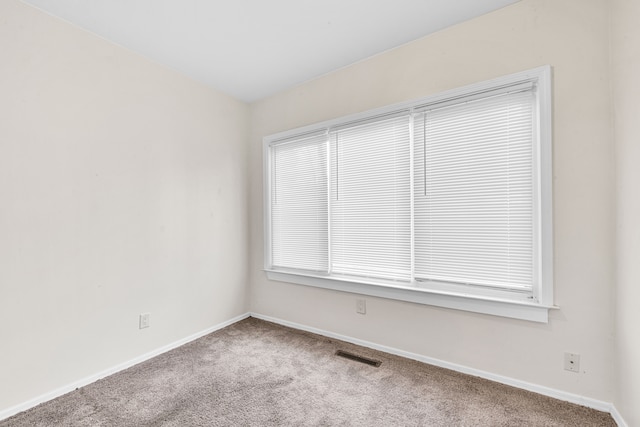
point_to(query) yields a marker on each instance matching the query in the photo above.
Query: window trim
(499, 303)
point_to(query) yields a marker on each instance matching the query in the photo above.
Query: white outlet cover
(572, 362)
(361, 306)
(144, 320)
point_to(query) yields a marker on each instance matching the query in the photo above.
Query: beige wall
(122, 191)
(625, 44)
(572, 36)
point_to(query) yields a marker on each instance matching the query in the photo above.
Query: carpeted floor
(256, 373)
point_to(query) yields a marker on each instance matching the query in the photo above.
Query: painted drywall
(123, 190)
(625, 43)
(572, 37)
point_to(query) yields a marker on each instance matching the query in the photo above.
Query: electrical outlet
(361, 306)
(572, 362)
(144, 320)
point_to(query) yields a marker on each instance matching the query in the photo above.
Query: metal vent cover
(356, 358)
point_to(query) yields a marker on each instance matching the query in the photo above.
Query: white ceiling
(251, 49)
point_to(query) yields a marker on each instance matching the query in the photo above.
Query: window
(443, 201)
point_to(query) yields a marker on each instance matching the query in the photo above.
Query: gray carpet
(255, 373)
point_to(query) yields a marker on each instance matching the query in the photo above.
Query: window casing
(444, 201)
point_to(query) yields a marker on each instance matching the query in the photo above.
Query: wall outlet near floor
(572, 362)
(144, 320)
(361, 306)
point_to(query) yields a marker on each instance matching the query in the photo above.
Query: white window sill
(516, 309)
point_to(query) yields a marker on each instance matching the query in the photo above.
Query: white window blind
(474, 212)
(299, 209)
(371, 199)
(444, 200)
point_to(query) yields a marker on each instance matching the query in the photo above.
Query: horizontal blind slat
(473, 192)
(299, 217)
(371, 199)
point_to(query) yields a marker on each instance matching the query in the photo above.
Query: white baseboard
(122, 366)
(617, 417)
(546, 391)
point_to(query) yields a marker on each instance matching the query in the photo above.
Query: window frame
(494, 302)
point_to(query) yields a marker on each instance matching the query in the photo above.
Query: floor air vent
(355, 357)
